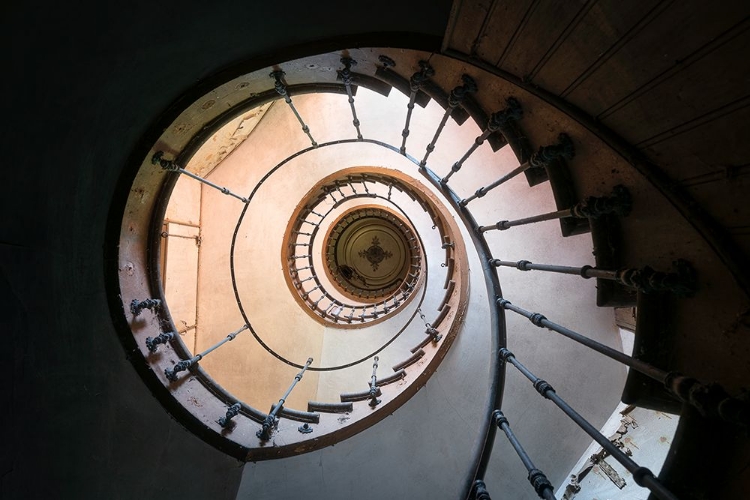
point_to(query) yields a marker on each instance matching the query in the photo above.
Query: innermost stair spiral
(369, 252)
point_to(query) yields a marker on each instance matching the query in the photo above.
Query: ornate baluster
(280, 87)
(592, 207)
(183, 365)
(271, 422)
(232, 412)
(152, 343)
(374, 391)
(546, 154)
(647, 280)
(137, 306)
(346, 77)
(158, 159)
(415, 83)
(709, 399)
(641, 475)
(496, 121)
(538, 480)
(455, 98)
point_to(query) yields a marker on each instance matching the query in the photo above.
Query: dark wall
(85, 83)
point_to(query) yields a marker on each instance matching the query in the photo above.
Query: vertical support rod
(415, 83)
(183, 365)
(681, 283)
(546, 154)
(169, 165)
(232, 412)
(498, 120)
(456, 97)
(642, 475)
(280, 87)
(374, 390)
(346, 77)
(619, 203)
(537, 478)
(270, 422)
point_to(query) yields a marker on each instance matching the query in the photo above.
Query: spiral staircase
(638, 176)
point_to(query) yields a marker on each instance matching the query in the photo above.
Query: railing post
(171, 166)
(264, 434)
(374, 401)
(537, 478)
(280, 88)
(346, 77)
(415, 83)
(681, 283)
(618, 203)
(546, 154)
(641, 475)
(456, 97)
(183, 365)
(498, 120)
(136, 306)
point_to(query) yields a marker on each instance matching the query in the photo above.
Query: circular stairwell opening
(266, 358)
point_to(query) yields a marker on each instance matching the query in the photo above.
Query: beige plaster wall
(454, 398)
(180, 274)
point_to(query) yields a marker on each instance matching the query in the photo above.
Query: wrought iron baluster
(315, 305)
(641, 475)
(647, 280)
(338, 188)
(546, 154)
(280, 87)
(183, 365)
(538, 480)
(137, 306)
(232, 412)
(456, 97)
(592, 207)
(351, 184)
(296, 271)
(171, 166)
(374, 390)
(271, 421)
(415, 83)
(346, 77)
(496, 121)
(152, 343)
(709, 399)
(480, 491)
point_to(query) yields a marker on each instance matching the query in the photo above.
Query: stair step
(313, 406)
(707, 459)
(654, 338)
(606, 236)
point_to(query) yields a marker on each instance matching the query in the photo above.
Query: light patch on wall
(226, 140)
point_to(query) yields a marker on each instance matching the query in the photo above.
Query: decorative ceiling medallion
(375, 254)
(369, 251)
